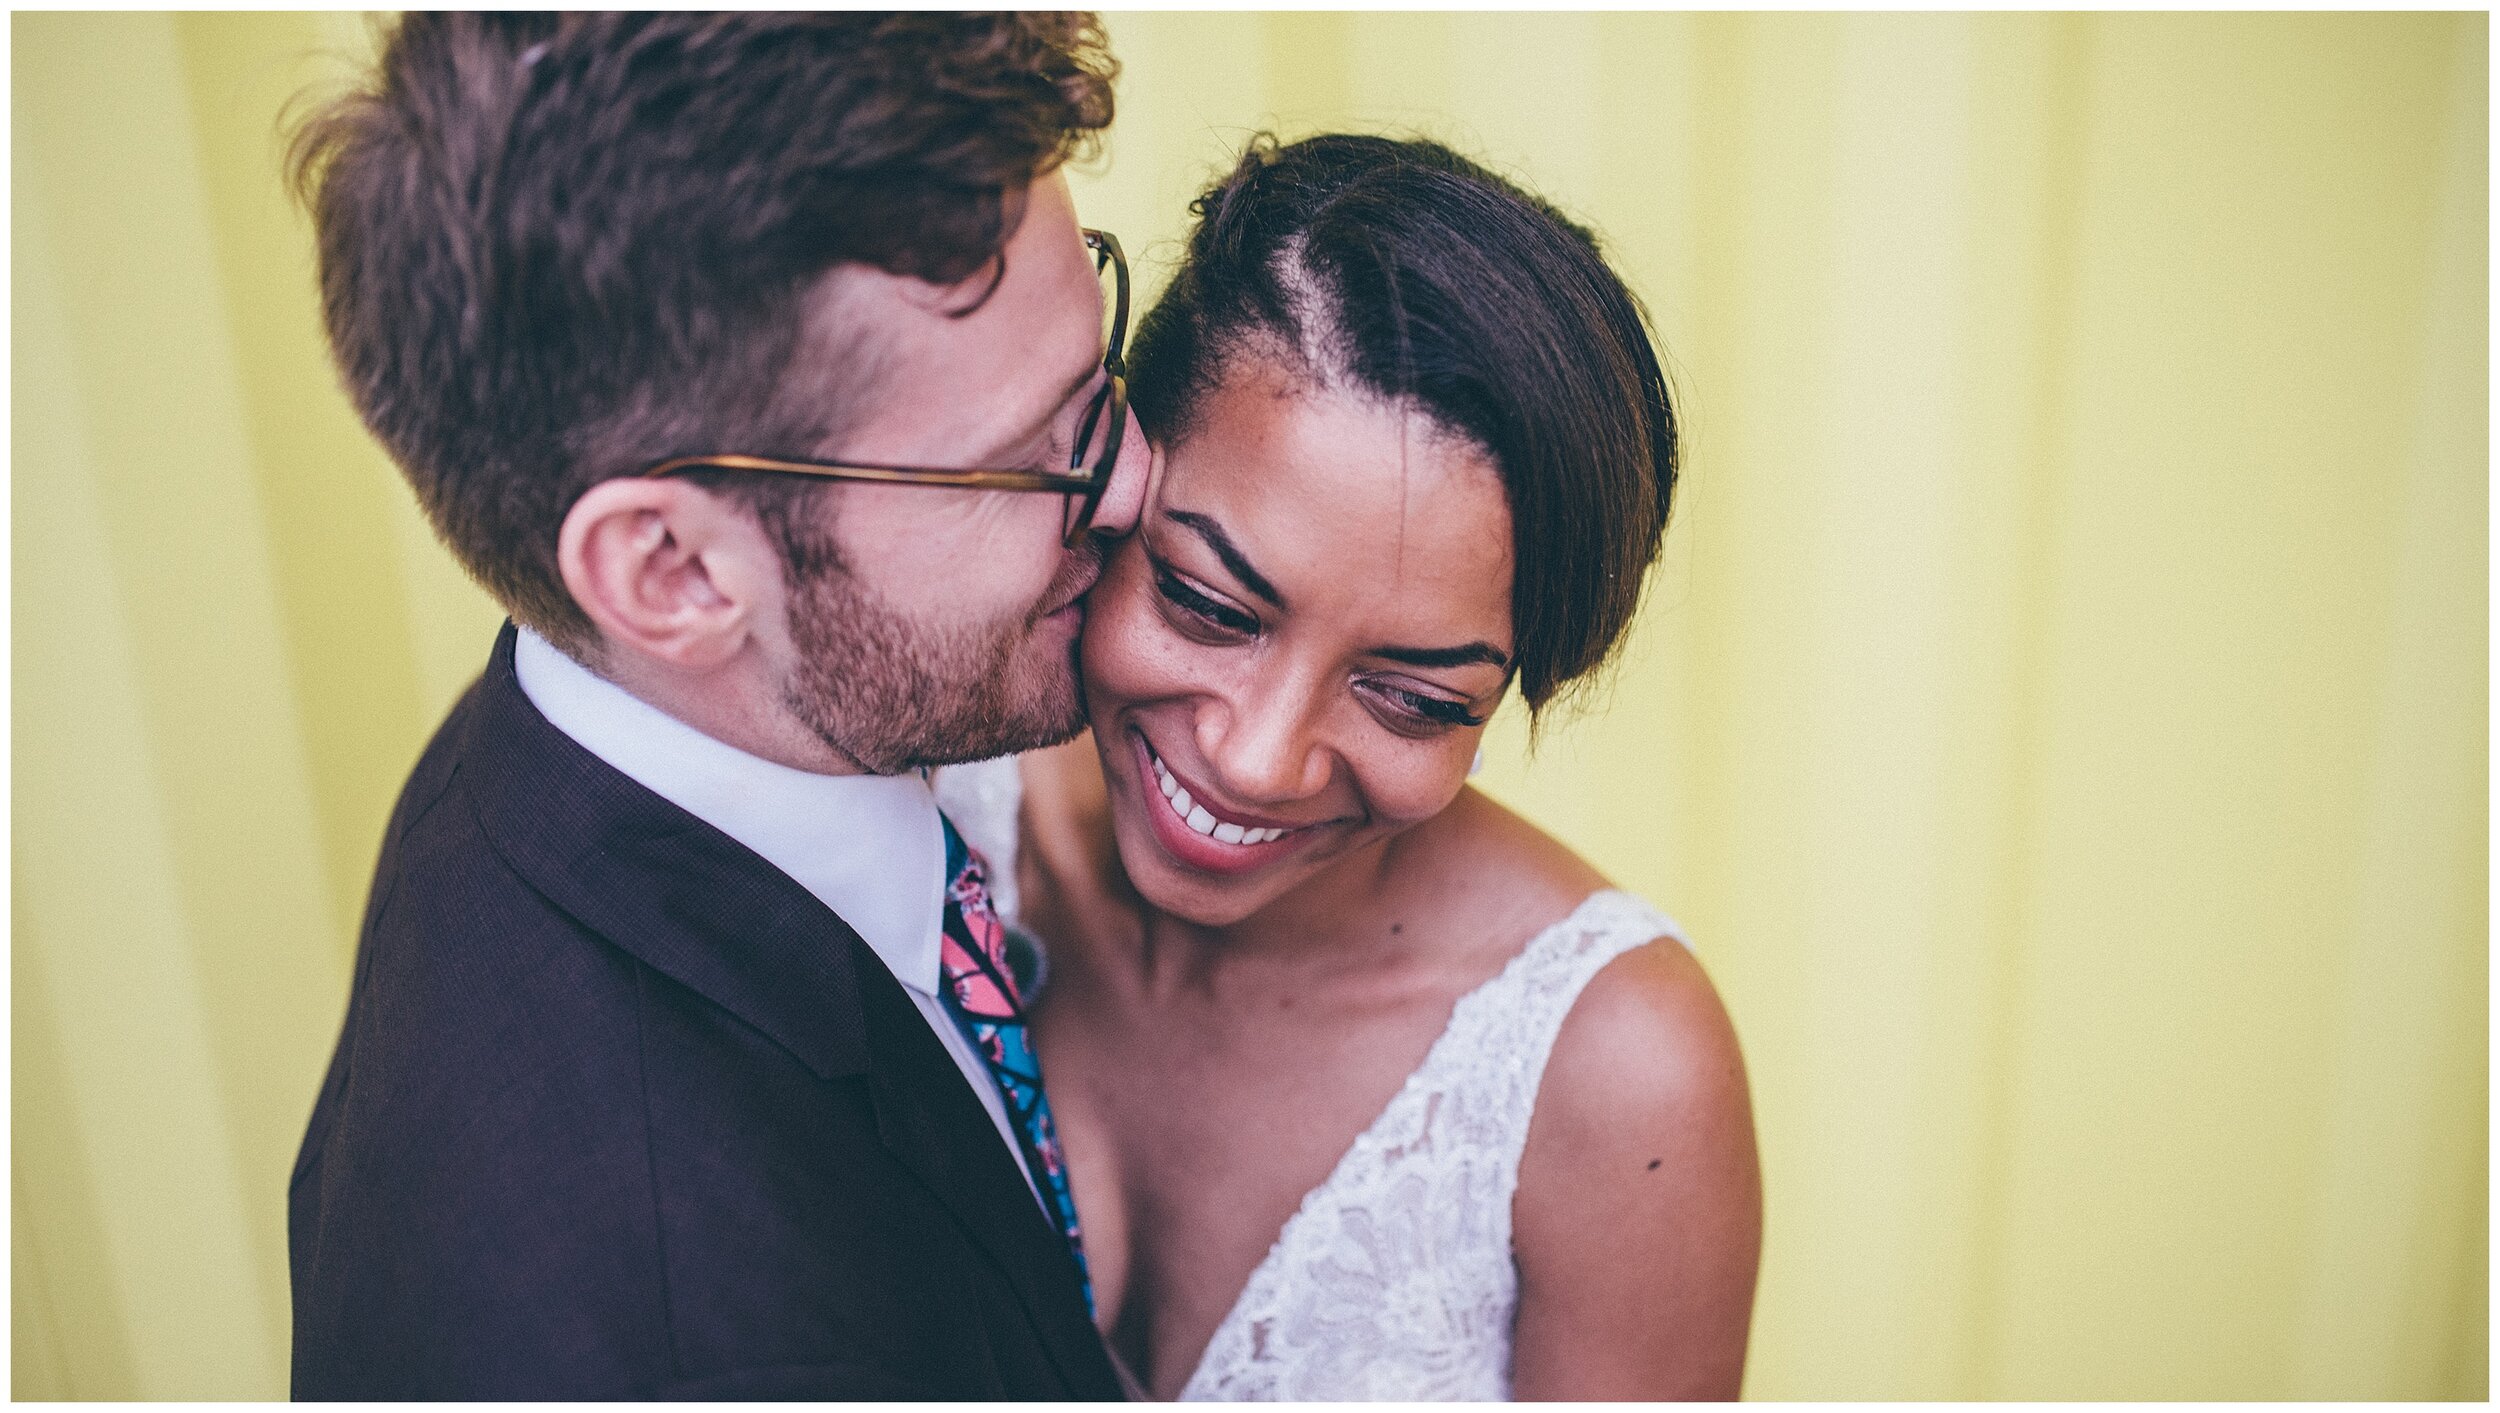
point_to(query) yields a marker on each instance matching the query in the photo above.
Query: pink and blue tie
(980, 992)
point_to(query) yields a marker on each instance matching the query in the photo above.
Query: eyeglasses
(1098, 432)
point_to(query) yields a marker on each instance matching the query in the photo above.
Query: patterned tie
(980, 992)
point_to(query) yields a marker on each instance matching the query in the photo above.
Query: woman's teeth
(1196, 817)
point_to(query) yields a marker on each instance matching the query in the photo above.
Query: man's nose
(1132, 481)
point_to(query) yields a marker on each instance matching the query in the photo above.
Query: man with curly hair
(758, 366)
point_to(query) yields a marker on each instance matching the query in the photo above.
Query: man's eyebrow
(1222, 544)
(1446, 657)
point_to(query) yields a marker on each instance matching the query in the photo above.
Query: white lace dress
(1395, 1280)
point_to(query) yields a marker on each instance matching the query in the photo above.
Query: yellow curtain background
(2061, 718)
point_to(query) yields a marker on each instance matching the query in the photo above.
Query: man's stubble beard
(895, 695)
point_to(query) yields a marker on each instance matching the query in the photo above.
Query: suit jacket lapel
(934, 1126)
(684, 898)
(701, 908)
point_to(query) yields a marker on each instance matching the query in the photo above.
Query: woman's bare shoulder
(1648, 1029)
(1640, 1158)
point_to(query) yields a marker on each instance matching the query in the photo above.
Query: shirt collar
(868, 846)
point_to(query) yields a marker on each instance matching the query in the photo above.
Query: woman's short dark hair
(1419, 276)
(555, 249)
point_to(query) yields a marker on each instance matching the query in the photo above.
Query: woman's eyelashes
(1422, 710)
(1196, 606)
(1202, 615)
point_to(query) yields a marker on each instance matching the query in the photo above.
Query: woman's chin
(1172, 887)
(1178, 891)
(1201, 911)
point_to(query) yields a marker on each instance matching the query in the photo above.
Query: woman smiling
(1368, 1089)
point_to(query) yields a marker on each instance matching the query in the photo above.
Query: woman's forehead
(1363, 452)
(1349, 497)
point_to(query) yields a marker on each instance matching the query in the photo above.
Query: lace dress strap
(1501, 1034)
(1395, 1278)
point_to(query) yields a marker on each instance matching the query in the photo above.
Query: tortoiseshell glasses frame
(1096, 449)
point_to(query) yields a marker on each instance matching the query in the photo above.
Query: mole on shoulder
(1654, 1162)
(1397, 927)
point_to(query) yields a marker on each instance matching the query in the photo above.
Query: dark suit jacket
(620, 1110)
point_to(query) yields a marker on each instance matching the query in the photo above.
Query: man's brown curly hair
(555, 249)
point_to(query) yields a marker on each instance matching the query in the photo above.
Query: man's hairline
(863, 366)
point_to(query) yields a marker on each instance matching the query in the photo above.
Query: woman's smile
(1202, 833)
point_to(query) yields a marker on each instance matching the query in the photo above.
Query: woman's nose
(1267, 747)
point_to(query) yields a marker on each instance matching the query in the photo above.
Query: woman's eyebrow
(1478, 651)
(1222, 544)
(1206, 528)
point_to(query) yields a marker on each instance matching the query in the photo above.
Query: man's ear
(668, 569)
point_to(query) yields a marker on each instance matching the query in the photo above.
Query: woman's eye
(1177, 592)
(1421, 709)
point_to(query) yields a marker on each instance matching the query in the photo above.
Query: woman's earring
(1478, 767)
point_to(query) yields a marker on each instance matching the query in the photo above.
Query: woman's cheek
(1406, 781)
(1417, 794)
(1121, 632)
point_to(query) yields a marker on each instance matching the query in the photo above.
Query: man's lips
(1074, 596)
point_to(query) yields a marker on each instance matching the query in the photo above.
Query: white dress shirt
(868, 846)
